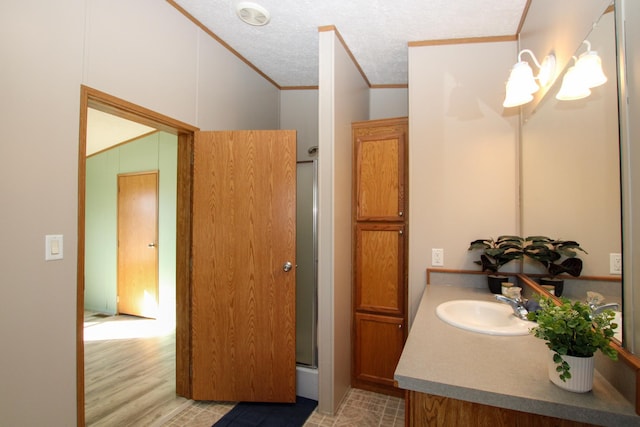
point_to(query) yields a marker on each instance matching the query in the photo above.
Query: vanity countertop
(508, 372)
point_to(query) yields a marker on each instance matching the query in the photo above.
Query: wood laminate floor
(129, 371)
(130, 381)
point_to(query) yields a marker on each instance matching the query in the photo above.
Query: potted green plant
(495, 254)
(557, 257)
(573, 332)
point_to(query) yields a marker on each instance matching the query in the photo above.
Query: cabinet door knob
(287, 266)
(400, 232)
(401, 213)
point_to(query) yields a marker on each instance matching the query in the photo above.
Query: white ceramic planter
(581, 369)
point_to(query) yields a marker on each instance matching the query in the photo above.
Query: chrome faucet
(519, 310)
(597, 309)
(594, 299)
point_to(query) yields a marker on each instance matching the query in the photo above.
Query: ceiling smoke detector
(252, 13)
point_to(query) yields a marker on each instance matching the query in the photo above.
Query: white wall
(351, 103)
(229, 94)
(299, 111)
(462, 154)
(41, 45)
(343, 98)
(145, 52)
(385, 103)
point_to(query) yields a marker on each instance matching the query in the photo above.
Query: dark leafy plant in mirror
(572, 329)
(496, 253)
(549, 252)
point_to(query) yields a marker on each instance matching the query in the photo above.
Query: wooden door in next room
(138, 244)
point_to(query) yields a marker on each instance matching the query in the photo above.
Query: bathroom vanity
(457, 377)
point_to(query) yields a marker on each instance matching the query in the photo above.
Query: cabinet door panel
(379, 345)
(380, 177)
(380, 268)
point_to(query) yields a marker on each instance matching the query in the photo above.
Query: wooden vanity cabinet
(427, 410)
(379, 285)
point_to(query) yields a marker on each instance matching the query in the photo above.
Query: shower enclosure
(306, 256)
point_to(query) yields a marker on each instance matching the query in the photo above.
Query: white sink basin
(618, 331)
(492, 318)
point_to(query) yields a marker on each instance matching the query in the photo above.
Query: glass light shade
(522, 77)
(520, 86)
(547, 69)
(589, 67)
(516, 95)
(573, 86)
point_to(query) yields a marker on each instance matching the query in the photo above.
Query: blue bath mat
(252, 414)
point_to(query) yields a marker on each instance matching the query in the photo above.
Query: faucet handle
(514, 292)
(594, 298)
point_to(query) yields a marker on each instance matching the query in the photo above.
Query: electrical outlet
(615, 263)
(437, 257)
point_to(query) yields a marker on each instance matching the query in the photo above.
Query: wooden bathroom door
(243, 296)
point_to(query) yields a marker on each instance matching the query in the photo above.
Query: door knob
(287, 266)
(151, 245)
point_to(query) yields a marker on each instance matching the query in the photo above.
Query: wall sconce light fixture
(585, 74)
(522, 85)
(572, 86)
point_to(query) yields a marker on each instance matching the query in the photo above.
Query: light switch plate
(615, 263)
(437, 257)
(53, 247)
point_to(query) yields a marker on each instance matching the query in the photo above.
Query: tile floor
(360, 409)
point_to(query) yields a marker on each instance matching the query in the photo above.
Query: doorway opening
(91, 98)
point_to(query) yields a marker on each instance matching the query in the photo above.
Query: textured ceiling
(376, 31)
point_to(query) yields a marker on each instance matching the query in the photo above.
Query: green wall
(154, 152)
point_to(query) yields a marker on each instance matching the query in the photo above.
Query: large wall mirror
(628, 36)
(570, 165)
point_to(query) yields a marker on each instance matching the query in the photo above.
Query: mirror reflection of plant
(548, 252)
(572, 329)
(499, 252)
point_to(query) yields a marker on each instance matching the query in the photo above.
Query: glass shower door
(306, 257)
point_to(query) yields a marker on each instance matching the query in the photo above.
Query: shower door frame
(314, 328)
